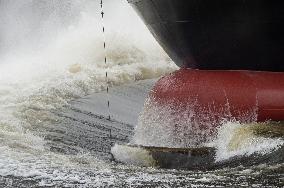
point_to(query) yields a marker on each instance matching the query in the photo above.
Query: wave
(235, 139)
(68, 63)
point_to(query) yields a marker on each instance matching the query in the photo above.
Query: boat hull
(218, 34)
(243, 96)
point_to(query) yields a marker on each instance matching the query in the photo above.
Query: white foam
(132, 155)
(35, 75)
(249, 143)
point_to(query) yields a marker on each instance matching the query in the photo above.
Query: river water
(53, 126)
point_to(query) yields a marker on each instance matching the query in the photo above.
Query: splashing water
(51, 53)
(235, 139)
(164, 126)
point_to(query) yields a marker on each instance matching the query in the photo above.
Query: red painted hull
(214, 96)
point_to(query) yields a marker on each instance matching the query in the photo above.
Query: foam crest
(235, 139)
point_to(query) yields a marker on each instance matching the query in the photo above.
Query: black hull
(218, 34)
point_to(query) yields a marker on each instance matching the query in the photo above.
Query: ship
(230, 54)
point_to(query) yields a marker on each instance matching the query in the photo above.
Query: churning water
(53, 130)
